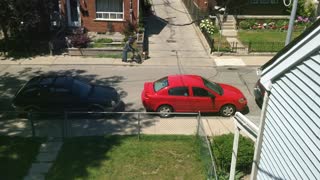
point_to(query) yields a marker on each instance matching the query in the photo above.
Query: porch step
(229, 33)
(229, 27)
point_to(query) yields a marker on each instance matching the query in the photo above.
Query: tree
(6, 13)
(22, 17)
(304, 9)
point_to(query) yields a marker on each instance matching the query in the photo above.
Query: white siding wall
(291, 141)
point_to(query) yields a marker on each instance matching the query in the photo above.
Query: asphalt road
(128, 80)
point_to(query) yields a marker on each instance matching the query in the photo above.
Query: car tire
(227, 110)
(32, 110)
(165, 111)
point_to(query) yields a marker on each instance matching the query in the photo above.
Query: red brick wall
(202, 4)
(88, 15)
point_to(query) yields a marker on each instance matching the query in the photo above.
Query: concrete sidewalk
(213, 61)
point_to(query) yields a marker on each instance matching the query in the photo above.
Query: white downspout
(131, 12)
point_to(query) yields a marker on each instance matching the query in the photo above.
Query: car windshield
(213, 86)
(161, 83)
(80, 89)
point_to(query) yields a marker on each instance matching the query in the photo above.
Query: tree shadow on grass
(16, 155)
(79, 157)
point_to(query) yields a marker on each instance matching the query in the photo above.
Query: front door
(73, 8)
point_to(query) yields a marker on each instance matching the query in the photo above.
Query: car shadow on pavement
(12, 123)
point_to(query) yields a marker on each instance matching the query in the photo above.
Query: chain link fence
(194, 11)
(73, 124)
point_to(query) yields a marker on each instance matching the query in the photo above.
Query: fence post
(234, 154)
(236, 47)
(249, 47)
(139, 126)
(32, 124)
(198, 121)
(64, 127)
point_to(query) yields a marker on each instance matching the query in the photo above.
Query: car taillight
(147, 95)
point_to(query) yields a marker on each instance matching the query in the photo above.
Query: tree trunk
(6, 37)
(5, 32)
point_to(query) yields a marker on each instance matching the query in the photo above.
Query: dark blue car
(61, 93)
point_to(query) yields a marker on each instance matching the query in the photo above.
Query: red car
(191, 93)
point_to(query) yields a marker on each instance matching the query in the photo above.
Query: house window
(264, 1)
(254, 1)
(109, 9)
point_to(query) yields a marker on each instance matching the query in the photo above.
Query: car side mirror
(212, 96)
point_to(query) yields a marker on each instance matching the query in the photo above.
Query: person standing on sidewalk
(127, 48)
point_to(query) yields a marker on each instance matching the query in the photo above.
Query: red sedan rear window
(160, 84)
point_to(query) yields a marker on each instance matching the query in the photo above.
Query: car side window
(200, 92)
(31, 92)
(60, 91)
(179, 91)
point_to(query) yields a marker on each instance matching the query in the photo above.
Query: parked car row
(173, 93)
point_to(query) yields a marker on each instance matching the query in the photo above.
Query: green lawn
(265, 41)
(125, 157)
(115, 56)
(16, 156)
(265, 36)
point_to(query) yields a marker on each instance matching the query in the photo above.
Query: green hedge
(222, 150)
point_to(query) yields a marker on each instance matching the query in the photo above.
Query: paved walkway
(47, 155)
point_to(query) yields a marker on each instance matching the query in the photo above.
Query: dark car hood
(103, 94)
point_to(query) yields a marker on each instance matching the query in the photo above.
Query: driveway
(169, 39)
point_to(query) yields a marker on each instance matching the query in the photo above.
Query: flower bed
(273, 24)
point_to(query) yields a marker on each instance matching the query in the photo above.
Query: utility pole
(291, 22)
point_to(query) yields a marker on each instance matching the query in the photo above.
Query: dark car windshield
(160, 84)
(80, 88)
(213, 86)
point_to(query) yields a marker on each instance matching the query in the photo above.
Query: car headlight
(242, 100)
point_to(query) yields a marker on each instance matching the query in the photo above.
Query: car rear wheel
(165, 111)
(96, 111)
(227, 110)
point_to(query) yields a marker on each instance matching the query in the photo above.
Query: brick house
(100, 15)
(247, 7)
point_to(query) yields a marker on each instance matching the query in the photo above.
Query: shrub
(79, 39)
(207, 25)
(281, 23)
(222, 150)
(244, 25)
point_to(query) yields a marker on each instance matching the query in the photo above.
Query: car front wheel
(227, 110)
(165, 111)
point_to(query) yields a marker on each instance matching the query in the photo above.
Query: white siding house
(288, 139)
(290, 142)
